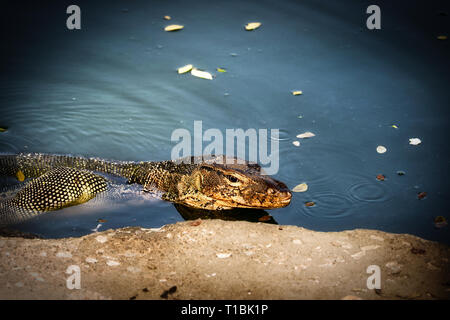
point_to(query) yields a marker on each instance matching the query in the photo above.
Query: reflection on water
(112, 91)
(252, 215)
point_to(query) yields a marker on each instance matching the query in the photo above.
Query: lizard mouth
(282, 199)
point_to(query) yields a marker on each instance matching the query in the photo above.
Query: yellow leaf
(297, 92)
(167, 18)
(173, 27)
(3, 129)
(394, 126)
(221, 70)
(442, 37)
(300, 188)
(185, 69)
(20, 176)
(201, 74)
(252, 26)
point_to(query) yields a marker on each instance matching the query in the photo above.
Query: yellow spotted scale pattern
(55, 189)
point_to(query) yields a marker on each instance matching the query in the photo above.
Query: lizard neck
(162, 175)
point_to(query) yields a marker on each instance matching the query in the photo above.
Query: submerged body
(212, 183)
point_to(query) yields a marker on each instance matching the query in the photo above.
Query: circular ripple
(283, 135)
(329, 206)
(368, 191)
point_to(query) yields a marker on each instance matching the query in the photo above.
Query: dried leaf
(300, 188)
(101, 220)
(306, 135)
(442, 37)
(296, 143)
(185, 68)
(167, 17)
(297, 92)
(440, 222)
(173, 27)
(421, 195)
(201, 74)
(414, 141)
(20, 176)
(381, 149)
(221, 70)
(252, 26)
(310, 204)
(380, 177)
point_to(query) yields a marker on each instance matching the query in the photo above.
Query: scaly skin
(211, 183)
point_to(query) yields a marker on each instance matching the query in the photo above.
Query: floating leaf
(296, 143)
(201, 74)
(101, 220)
(381, 149)
(380, 177)
(442, 37)
(300, 188)
(310, 204)
(221, 70)
(414, 141)
(252, 26)
(20, 176)
(394, 126)
(185, 68)
(440, 222)
(300, 117)
(167, 17)
(3, 129)
(306, 135)
(401, 173)
(173, 27)
(297, 92)
(421, 195)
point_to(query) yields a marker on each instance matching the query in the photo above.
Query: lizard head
(215, 186)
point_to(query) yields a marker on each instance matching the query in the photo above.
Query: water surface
(111, 90)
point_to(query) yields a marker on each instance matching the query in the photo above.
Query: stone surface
(262, 261)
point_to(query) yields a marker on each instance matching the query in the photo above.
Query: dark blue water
(111, 90)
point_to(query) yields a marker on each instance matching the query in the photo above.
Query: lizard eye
(231, 178)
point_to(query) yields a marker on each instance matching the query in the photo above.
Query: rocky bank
(215, 259)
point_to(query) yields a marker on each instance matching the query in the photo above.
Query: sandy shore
(214, 259)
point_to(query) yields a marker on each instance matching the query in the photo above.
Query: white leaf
(414, 141)
(201, 74)
(300, 188)
(296, 143)
(306, 135)
(381, 149)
